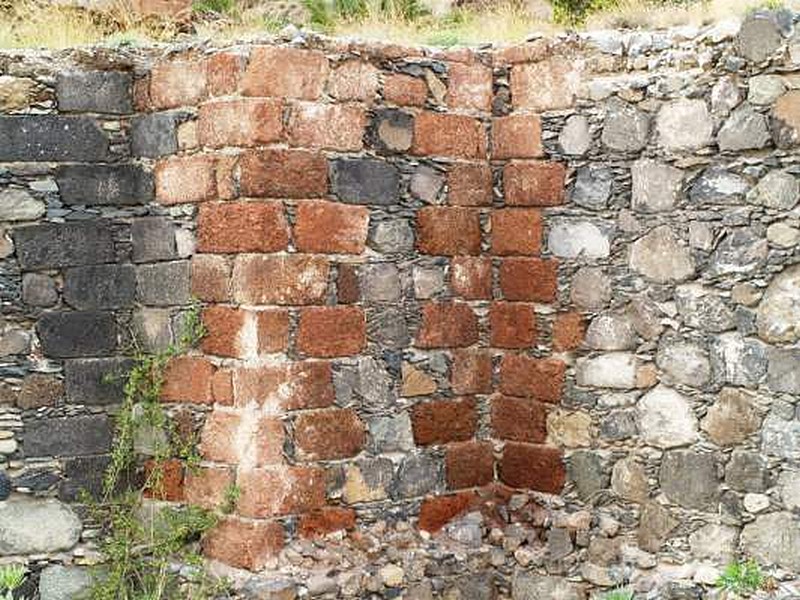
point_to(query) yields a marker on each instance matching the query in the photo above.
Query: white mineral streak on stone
(614, 370)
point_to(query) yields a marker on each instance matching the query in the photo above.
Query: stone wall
(507, 323)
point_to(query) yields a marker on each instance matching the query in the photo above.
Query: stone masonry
(517, 322)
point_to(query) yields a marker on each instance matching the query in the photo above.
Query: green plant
(743, 578)
(222, 7)
(11, 578)
(232, 494)
(619, 594)
(326, 13)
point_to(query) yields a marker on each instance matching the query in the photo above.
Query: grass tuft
(742, 578)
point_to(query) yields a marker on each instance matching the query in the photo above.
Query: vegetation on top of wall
(11, 578)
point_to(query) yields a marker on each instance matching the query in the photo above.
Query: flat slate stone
(104, 184)
(81, 435)
(96, 381)
(52, 138)
(100, 286)
(54, 245)
(32, 526)
(95, 91)
(77, 334)
(154, 135)
(365, 181)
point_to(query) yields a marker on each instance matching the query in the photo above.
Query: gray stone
(789, 485)
(53, 138)
(661, 257)
(94, 92)
(83, 474)
(54, 245)
(738, 360)
(68, 436)
(745, 129)
(14, 341)
(725, 95)
(478, 586)
(765, 89)
(591, 288)
(629, 480)
(367, 383)
(783, 374)
(365, 181)
(717, 185)
(22, 531)
(774, 539)
(732, 418)
(380, 282)
(783, 235)
(690, 479)
(655, 525)
(666, 419)
(747, 471)
(778, 314)
(418, 475)
(154, 135)
(578, 239)
(619, 425)
(39, 290)
(427, 184)
(780, 437)
(428, 281)
(64, 583)
(616, 370)
(559, 543)
(626, 128)
(703, 308)
(656, 186)
(741, 251)
(153, 239)
(575, 138)
(684, 125)
(592, 187)
(388, 327)
(777, 189)
(257, 588)
(19, 205)
(530, 586)
(105, 184)
(611, 331)
(683, 362)
(786, 120)
(758, 38)
(587, 471)
(152, 328)
(391, 433)
(100, 286)
(715, 542)
(164, 284)
(392, 236)
(77, 334)
(392, 130)
(40, 389)
(96, 381)
(645, 315)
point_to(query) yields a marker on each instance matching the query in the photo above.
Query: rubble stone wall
(506, 323)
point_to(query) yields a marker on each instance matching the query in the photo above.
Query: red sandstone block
(516, 231)
(529, 279)
(280, 491)
(225, 227)
(533, 467)
(471, 372)
(293, 279)
(246, 122)
(181, 179)
(330, 227)
(348, 288)
(538, 378)
(223, 326)
(141, 94)
(354, 79)
(519, 419)
(448, 231)
(533, 183)
(272, 330)
(436, 512)
(326, 520)
(469, 464)
(238, 438)
(285, 73)
(439, 134)
(470, 86)
(210, 278)
(512, 325)
(223, 72)
(328, 126)
(278, 173)
(206, 486)
(469, 184)
(517, 136)
(188, 379)
(244, 544)
(178, 83)
(164, 480)
(447, 325)
(222, 387)
(443, 421)
(328, 434)
(471, 277)
(290, 386)
(568, 331)
(405, 90)
(329, 331)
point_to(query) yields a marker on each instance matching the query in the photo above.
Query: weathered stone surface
(427, 184)
(164, 284)
(629, 480)
(418, 475)
(75, 334)
(778, 314)
(774, 539)
(96, 381)
(725, 95)
(365, 181)
(153, 239)
(393, 130)
(154, 135)
(666, 419)
(575, 138)
(591, 289)
(104, 184)
(57, 582)
(758, 38)
(100, 286)
(19, 205)
(786, 120)
(732, 418)
(715, 542)
(592, 187)
(529, 586)
(53, 245)
(619, 425)
(391, 434)
(765, 89)
(747, 471)
(22, 529)
(367, 480)
(152, 328)
(783, 374)
(780, 436)
(39, 290)
(16, 92)
(703, 308)
(380, 282)
(717, 185)
(94, 91)
(395, 235)
(626, 128)
(684, 362)
(789, 485)
(684, 125)
(661, 257)
(656, 186)
(655, 525)
(428, 281)
(738, 360)
(52, 138)
(646, 317)
(611, 331)
(416, 382)
(783, 235)
(40, 389)
(569, 429)
(745, 129)
(690, 479)
(578, 239)
(777, 189)
(613, 370)
(68, 436)
(587, 471)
